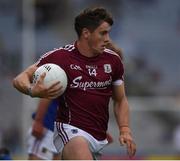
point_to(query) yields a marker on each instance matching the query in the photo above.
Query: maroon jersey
(85, 101)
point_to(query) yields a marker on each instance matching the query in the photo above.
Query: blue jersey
(50, 115)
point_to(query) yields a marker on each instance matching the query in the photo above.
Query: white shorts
(64, 132)
(42, 148)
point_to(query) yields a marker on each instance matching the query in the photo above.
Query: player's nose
(106, 38)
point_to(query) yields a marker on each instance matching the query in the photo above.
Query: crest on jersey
(107, 68)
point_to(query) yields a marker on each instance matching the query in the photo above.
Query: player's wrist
(125, 129)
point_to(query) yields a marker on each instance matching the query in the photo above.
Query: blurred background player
(40, 135)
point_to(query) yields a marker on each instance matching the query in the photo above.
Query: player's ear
(85, 33)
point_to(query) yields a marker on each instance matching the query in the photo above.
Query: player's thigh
(77, 149)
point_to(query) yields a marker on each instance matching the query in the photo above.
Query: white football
(53, 72)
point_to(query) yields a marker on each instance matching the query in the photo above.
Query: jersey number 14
(92, 72)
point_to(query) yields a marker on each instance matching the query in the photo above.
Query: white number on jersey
(92, 72)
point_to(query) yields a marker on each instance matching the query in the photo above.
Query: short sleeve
(118, 74)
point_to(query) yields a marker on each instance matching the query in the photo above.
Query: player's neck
(84, 49)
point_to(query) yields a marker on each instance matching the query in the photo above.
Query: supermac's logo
(78, 83)
(107, 68)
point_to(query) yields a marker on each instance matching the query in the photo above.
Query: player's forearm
(121, 110)
(23, 81)
(42, 109)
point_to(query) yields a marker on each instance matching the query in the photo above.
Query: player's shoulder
(65, 49)
(60, 51)
(68, 48)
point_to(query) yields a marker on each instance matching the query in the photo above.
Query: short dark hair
(91, 18)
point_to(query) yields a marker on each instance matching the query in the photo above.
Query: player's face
(99, 38)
